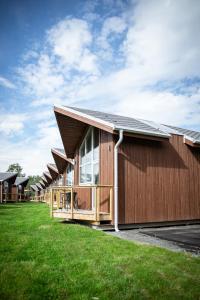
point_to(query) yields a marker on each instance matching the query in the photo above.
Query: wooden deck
(95, 212)
(80, 214)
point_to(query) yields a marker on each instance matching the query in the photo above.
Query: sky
(135, 58)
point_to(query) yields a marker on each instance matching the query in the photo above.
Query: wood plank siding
(158, 181)
(106, 176)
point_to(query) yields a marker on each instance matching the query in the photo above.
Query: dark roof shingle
(191, 134)
(21, 180)
(122, 122)
(7, 175)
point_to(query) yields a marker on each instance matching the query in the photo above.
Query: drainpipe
(116, 178)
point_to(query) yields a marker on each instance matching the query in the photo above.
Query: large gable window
(89, 157)
(70, 174)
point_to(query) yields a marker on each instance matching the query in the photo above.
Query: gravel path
(142, 236)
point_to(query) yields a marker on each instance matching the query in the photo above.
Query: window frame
(72, 174)
(92, 161)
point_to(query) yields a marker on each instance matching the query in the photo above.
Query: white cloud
(32, 153)
(162, 107)
(163, 39)
(6, 83)
(42, 78)
(70, 40)
(111, 27)
(12, 123)
(158, 46)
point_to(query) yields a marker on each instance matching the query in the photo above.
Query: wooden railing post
(97, 204)
(57, 198)
(51, 202)
(72, 203)
(111, 203)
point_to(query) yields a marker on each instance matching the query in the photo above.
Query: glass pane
(88, 173)
(82, 153)
(88, 157)
(96, 137)
(96, 173)
(82, 174)
(96, 144)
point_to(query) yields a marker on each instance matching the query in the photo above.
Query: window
(89, 157)
(70, 174)
(59, 181)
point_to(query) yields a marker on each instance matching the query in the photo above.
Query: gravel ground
(142, 236)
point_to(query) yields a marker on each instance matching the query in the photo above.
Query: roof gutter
(116, 178)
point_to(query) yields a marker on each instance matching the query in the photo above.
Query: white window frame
(72, 174)
(92, 162)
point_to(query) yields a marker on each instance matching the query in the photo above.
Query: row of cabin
(12, 187)
(121, 170)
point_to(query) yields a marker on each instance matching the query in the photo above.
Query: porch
(14, 197)
(92, 203)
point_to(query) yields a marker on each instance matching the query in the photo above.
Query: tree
(16, 168)
(32, 180)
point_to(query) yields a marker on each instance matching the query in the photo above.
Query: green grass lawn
(41, 258)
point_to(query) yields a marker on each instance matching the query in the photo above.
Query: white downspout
(116, 178)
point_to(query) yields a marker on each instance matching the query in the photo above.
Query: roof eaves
(9, 176)
(59, 153)
(53, 168)
(84, 115)
(141, 131)
(113, 126)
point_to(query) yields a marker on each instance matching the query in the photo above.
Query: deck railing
(15, 197)
(45, 197)
(91, 202)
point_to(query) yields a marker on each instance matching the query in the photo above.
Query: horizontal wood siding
(158, 181)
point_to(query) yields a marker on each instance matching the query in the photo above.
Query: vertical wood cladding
(106, 167)
(158, 181)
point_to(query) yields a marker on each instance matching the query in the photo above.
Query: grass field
(41, 258)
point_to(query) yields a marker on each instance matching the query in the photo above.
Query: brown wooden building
(18, 189)
(129, 171)
(7, 180)
(64, 166)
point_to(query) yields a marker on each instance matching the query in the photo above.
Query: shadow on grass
(9, 207)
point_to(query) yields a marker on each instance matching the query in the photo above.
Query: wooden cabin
(45, 182)
(18, 189)
(40, 192)
(7, 180)
(127, 170)
(48, 177)
(64, 165)
(34, 189)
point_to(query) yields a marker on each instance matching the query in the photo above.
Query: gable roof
(21, 181)
(48, 177)
(192, 135)
(60, 151)
(7, 176)
(53, 167)
(61, 159)
(45, 181)
(42, 184)
(34, 187)
(117, 122)
(53, 171)
(39, 186)
(73, 123)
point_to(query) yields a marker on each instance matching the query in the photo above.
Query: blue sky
(137, 58)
